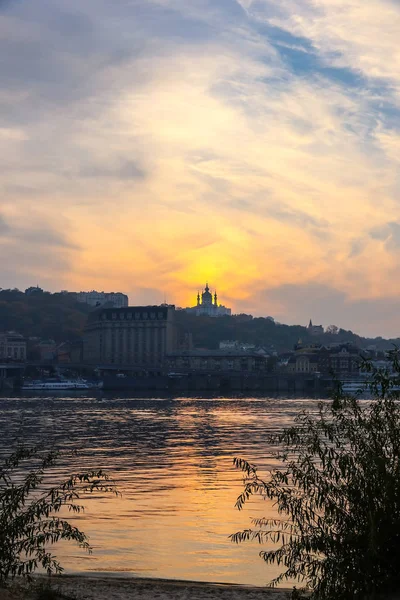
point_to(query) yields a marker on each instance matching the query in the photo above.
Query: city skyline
(203, 301)
(162, 143)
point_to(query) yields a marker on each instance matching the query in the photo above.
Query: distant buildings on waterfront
(94, 298)
(136, 336)
(12, 347)
(214, 361)
(341, 359)
(207, 304)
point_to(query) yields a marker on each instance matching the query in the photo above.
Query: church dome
(206, 296)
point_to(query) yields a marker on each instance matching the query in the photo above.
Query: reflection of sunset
(172, 460)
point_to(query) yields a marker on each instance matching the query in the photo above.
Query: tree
(29, 511)
(338, 495)
(332, 329)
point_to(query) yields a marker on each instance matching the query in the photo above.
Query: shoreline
(117, 587)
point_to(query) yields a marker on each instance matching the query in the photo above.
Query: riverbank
(82, 587)
(124, 588)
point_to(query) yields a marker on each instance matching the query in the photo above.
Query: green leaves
(338, 493)
(28, 511)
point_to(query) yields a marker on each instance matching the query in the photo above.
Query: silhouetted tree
(332, 329)
(29, 511)
(338, 496)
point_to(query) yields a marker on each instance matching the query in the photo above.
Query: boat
(55, 386)
(354, 386)
(362, 387)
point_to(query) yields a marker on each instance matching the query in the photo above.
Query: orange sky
(161, 144)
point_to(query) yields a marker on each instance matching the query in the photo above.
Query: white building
(207, 306)
(236, 345)
(229, 345)
(93, 298)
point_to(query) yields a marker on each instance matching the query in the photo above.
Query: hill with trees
(207, 332)
(42, 314)
(60, 317)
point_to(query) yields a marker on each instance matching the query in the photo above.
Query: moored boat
(54, 386)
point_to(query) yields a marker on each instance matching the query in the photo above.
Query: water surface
(172, 459)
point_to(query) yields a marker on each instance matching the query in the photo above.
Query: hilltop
(44, 315)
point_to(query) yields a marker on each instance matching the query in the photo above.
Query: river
(172, 460)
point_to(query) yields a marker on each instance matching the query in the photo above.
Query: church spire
(198, 298)
(215, 298)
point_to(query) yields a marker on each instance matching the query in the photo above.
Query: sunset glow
(149, 146)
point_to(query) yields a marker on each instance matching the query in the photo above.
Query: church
(207, 304)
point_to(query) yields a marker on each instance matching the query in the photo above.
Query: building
(113, 299)
(229, 345)
(339, 359)
(315, 329)
(70, 352)
(31, 291)
(208, 305)
(47, 350)
(135, 336)
(208, 361)
(303, 363)
(236, 345)
(12, 347)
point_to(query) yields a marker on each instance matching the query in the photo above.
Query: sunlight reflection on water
(172, 459)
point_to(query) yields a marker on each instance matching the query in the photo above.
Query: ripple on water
(172, 459)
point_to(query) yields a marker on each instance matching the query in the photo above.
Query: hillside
(60, 317)
(56, 316)
(207, 332)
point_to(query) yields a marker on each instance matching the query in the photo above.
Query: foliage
(30, 520)
(207, 332)
(337, 494)
(43, 590)
(53, 316)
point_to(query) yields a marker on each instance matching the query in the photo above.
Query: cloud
(251, 143)
(34, 231)
(340, 31)
(124, 170)
(3, 226)
(388, 233)
(325, 305)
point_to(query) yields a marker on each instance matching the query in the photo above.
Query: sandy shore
(85, 587)
(119, 588)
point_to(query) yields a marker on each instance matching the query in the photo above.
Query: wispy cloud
(171, 141)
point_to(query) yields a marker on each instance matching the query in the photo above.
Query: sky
(150, 145)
